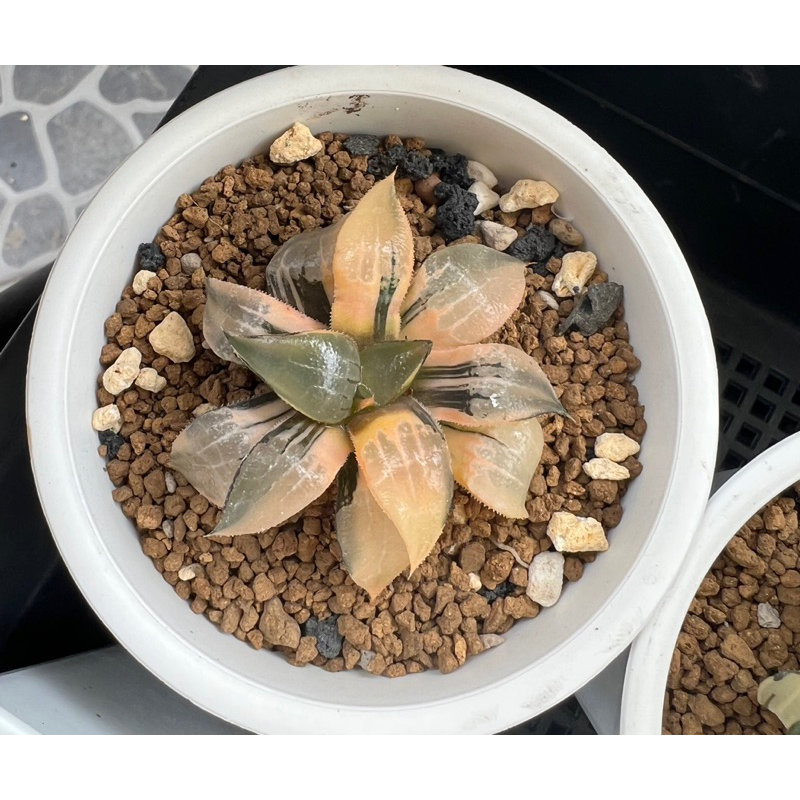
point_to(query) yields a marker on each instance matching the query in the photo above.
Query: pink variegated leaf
(372, 549)
(288, 469)
(372, 265)
(462, 294)
(240, 311)
(403, 457)
(496, 463)
(484, 384)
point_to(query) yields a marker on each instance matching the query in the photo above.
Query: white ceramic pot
(542, 662)
(749, 490)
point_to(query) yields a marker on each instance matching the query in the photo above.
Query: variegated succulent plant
(397, 399)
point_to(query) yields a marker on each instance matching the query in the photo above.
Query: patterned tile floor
(63, 130)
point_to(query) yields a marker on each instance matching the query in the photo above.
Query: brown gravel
(723, 653)
(264, 588)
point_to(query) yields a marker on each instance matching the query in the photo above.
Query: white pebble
(149, 380)
(768, 616)
(615, 446)
(191, 262)
(548, 299)
(545, 578)
(576, 269)
(294, 145)
(203, 408)
(474, 581)
(168, 528)
(573, 534)
(490, 640)
(496, 235)
(122, 373)
(187, 573)
(528, 194)
(107, 418)
(169, 480)
(140, 280)
(603, 469)
(487, 199)
(367, 657)
(173, 339)
(480, 172)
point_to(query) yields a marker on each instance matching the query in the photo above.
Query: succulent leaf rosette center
(397, 399)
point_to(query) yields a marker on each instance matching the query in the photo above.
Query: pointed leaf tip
(388, 368)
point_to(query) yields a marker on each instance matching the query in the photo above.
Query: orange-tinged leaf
(209, 451)
(372, 549)
(372, 265)
(403, 457)
(496, 463)
(484, 384)
(288, 469)
(241, 311)
(462, 294)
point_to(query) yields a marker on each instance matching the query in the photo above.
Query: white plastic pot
(542, 662)
(749, 490)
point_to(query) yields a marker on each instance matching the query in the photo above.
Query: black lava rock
(384, 164)
(362, 144)
(150, 257)
(593, 308)
(537, 245)
(329, 640)
(438, 158)
(416, 166)
(561, 250)
(455, 216)
(454, 170)
(503, 590)
(113, 442)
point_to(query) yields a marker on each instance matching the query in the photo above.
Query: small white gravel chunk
(545, 578)
(480, 172)
(487, 198)
(490, 640)
(122, 373)
(496, 235)
(140, 280)
(576, 269)
(294, 145)
(548, 298)
(173, 339)
(528, 194)
(187, 573)
(191, 262)
(474, 581)
(768, 616)
(107, 418)
(367, 657)
(171, 483)
(603, 469)
(573, 534)
(615, 446)
(149, 380)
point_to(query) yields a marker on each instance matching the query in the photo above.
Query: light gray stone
(487, 198)
(572, 534)
(88, 145)
(528, 194)
(37, 227)
(768, 616)
(123, 372)
(107, 418)
(496, 235)
(615, 446)
(545, 578)
(173, 339)
(604, 469)
(21, 164)
(576, 270)
(121, 84)
(46, 84)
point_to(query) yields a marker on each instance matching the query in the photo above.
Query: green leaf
(301, 273)
(403, 458)
(388, 368)
(496, 463)
(483, 384)
(241, 311)
(209, 451)
(462, 294)
(373, 551)
(372, 265)
(288, 469)
(316, 373)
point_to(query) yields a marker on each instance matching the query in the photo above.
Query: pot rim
(733, 504)
(499, 704)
